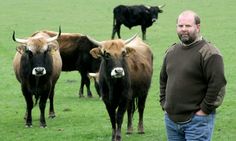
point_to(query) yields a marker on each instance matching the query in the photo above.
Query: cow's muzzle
(117, 72)
(39, 71)
(154, 20)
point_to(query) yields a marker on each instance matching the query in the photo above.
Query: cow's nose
(117, 72)
(39, 71)
(154, 19)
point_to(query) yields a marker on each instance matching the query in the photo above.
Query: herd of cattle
(122, 68)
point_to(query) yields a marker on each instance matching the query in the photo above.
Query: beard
(187, 38)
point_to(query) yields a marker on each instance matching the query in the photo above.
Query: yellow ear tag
(53, 51)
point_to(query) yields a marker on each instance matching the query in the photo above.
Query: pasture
(86, 119)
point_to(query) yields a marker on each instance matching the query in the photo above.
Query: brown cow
(37, 65)
(74, 50)
(124, 79)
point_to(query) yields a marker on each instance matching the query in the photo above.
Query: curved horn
(97, 43)
(22, 41)
(55, 37)
(130, 39)
(161, 6)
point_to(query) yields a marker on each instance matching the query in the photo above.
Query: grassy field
(86, 119)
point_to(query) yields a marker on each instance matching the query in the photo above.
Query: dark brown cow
(124, 79)
(74, 50)
(37, 65)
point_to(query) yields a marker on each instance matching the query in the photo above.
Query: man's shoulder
(208, 49)
(172, 47)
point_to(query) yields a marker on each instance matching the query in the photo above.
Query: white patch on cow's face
(117, 72)
(39, 71)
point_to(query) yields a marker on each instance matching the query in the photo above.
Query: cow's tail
(36, 94)
(36, 97)
(135, 104)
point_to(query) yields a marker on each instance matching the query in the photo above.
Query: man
(192, 83)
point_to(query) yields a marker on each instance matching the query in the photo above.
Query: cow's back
(74, 51)
(140, 64)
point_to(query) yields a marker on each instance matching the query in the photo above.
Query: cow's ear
(21, 49)
(129, 50)
(96, 52)
(52, 48)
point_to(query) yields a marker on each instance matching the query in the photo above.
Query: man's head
(188, 27)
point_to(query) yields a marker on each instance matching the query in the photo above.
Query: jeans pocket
(200, 120)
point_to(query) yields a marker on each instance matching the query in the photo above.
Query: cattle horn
(55, 37)
(22, 41)
(97, 43)
(130, 39)
(161, 6)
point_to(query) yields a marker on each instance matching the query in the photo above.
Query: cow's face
(154, 12)
(113, 53)
(36, 63)
(37, 54)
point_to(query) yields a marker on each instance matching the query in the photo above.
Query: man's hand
(200, 113)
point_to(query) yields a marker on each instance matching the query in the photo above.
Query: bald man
(192, 83)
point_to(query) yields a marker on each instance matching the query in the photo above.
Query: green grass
(86, 119)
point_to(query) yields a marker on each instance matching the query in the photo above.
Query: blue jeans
(199, 128)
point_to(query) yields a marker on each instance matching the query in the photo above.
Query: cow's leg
(114, 30)
(130, 112)
(119, 118)
(112, 114)
(143, 32)
(84, 81)
(87, 83)
(81, 89)
(141, 106)
(118, 30)
(51, 107)
(42, 105)
(29, 107)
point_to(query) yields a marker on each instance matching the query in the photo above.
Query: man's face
(186, 28)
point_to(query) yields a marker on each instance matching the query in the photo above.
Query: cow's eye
(124, 53)
(106, 55)
(29, 53)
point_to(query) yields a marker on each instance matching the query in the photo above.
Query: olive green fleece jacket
(191, 78)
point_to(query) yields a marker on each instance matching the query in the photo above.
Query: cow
(37, 66)
(74, 51)
(124, 79)
(134, 15)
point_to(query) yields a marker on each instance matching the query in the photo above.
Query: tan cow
(124, 79)
(37, 65)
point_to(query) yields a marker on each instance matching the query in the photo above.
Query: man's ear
(96, 52)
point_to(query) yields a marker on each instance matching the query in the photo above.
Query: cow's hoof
(81, 96)
(43, 126)
(141, 132)
(129, 130)
(28, 125)
(51, 115)
(90, 96)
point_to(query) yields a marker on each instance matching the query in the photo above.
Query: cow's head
(37, 53)
(154, 10)
(113, 53)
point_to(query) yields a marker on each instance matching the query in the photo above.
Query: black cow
(134, 15)
(37, 65)
(124, 80)
(74, 50)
